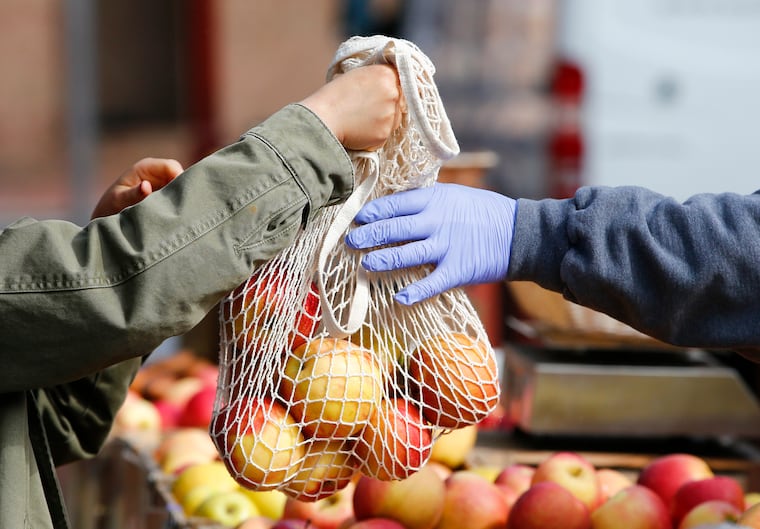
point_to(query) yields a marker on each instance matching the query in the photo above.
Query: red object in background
(566, 145)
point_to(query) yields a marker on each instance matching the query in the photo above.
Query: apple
(692, 493)
(257, 522)
(169, 413)
(183, 447)
(443, 471)
(473, 502)
(256, 306)
(332, 386)
(751, 498)
(415, 502)
(750, 517)
(611, 482)
(137, 415)
(396, 441)
(229, 508)
(270, 503)
(260, 442)
(292, 524)
(487, 472)
(212, 473)
(199, 408)
(458, 378)
(573, 472)
(548, 505)
(665, 474)
(384, 343)
(181, 389)
(328, 512)
(452, 447)
(635, 507)
(710, 512)
(516, 476)
(376, 523)
(327, 467)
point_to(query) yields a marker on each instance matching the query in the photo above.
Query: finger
(435, 283)
(390, 231)
(397, 204)
(158, 171)
(412, 254)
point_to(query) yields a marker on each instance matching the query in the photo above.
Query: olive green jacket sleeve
(74, 300)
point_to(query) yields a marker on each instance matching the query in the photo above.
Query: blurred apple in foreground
(326, 513)
(442, 470)
(710, 512)
(229, 508)
(611, 482)
(137, 415)
(452, 448)
(416, 502)
(691, 494)
(199, 408)
(183, 447)
(751, 498)
(471, 501)
(286, 523)
(665, 474)
(257, 522)
(270, 503)
(573, 472)
(516, 476)
(548, 505)
(376, 523)
(750, 517)
(212, 474)
(635, 507)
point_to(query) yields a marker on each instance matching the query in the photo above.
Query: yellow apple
(326, 468)
(332, 386)
(452, 448)
(229, 508)
(212, 474)
(260, 441)
(270, 503)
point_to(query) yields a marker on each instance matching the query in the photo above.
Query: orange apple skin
(573, 472)
(332, 387)
(261, 442)
(611, 482)
(548, 505)
(751, 517)
(396, 442)
(458, 379)
(665, 474)
(516, 476)
(635, 507)
(326, 513)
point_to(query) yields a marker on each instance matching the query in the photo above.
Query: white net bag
(322, 374)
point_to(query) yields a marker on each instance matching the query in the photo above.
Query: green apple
(229, 508)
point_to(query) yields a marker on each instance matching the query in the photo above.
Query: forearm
(75, 300)
(684, 273)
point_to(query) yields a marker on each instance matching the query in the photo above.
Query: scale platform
(619, 393)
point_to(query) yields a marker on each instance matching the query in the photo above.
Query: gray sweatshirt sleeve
(686, 273)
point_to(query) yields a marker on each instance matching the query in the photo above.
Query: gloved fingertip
(404, 298)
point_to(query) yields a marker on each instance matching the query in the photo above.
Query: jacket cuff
(312, 153)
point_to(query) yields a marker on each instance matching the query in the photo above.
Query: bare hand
(361, 107)
(144, 177)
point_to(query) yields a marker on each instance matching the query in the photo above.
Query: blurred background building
(558, 93)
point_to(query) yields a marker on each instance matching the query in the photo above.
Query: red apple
(327, 467)
(665, 474)
(710, 512)
(635, 507)
(471, 501)
(548, 505)
(326, 513)
(332, 387)
(751, 517)
(199, 409)
(573, 472)
(692, 493)
(260, 442)
(257, 522)
(169, 413)
(292, 524)
(396, 441)
(416, 502)
(458, 379)
(516, 476)
(611, 482)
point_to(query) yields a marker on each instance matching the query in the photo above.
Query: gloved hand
(466, 232)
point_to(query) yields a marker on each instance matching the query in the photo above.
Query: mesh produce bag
(322, 373)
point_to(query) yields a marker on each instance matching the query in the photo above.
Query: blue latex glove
(466, 232)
